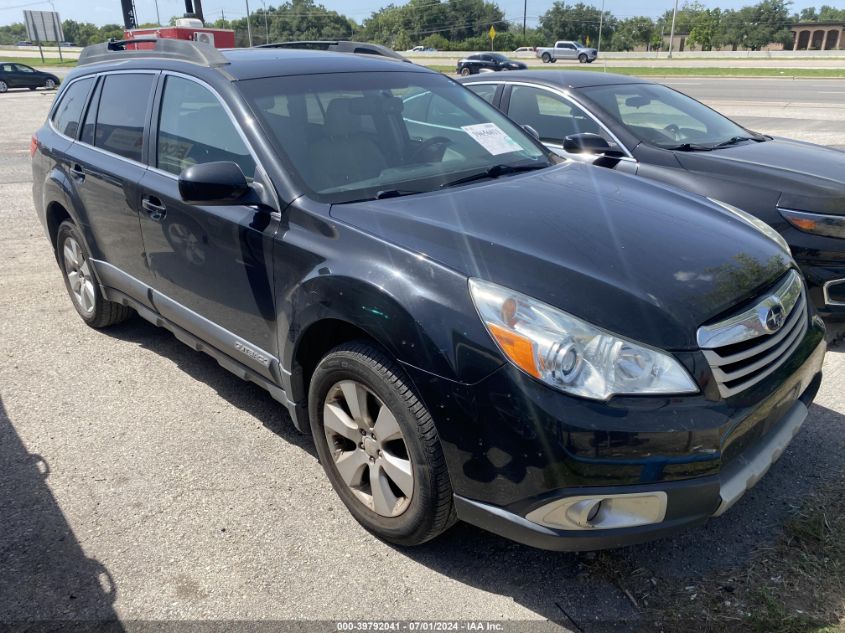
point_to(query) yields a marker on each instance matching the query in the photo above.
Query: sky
(108, 11)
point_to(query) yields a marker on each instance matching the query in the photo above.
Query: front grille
(744, 349)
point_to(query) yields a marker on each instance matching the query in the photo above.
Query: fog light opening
(602, 512)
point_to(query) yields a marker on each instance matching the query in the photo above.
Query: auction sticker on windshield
(491, 137)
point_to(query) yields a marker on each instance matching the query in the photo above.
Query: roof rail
(164, 48)
(339, 46)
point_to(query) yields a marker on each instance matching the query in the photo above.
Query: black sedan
(23, 76)
(643, 128)
(486, 62)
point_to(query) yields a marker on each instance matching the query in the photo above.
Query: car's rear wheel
(4, 87)
(465, 72)
(81, 284)
(378, 445)
(582, 58)
(546, 58)
(50, 84)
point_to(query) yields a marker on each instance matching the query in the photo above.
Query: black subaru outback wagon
(469, 327)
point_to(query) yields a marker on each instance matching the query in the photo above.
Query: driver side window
(553, 117)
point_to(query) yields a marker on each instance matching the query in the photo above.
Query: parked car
(469, 326)
(24, 43)
(422, 49)
(23, 76)
(567, 49)
(525, 49)
(340, 46)
(486, 62)
(644, 128)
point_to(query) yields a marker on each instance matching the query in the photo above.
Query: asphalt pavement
(140, 481)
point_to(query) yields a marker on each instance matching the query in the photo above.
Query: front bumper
(513, 446)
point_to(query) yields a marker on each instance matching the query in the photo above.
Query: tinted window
(122, 114)
(661, 116)
(485, 91)
(551, 115)
(7, 68)
(66, 117)
(88, 124)
(23, 69)
(194, 128)
(384, 130)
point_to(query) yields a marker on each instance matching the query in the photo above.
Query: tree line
(465, 25)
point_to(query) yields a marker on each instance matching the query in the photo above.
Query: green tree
(576, 22)
(706, 29)
(633, 32)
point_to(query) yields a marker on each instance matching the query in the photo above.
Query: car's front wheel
(50, 84)
(82, 286)
(582, 58)
(378, 445)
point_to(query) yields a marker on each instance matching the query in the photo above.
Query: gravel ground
(140, 481)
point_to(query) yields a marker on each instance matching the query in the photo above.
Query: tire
(4, 87)
(418, 508)
(82, 286)
(32, 88)
(50, 84)
(465, 72)
(582, 58)
(546, 58)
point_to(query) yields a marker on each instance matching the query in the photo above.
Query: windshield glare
(351, 136)
(663, 117)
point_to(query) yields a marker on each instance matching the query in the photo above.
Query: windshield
(354, 136)
(663, 117)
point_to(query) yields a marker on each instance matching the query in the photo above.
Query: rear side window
(485, 91)
(67, 114)
(122, 114)
(194, 128)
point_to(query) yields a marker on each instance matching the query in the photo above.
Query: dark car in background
(468, 326)
(644, 128)
(487, 62)
(23, 76)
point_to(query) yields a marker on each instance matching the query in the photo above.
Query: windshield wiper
(690, 147)
(494, 172)
(381, 195)
(738, 139)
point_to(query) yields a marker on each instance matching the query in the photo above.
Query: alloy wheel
(3, 86)
(79, 276)
(368, 448)
(50, 84)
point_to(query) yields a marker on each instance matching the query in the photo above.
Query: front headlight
(757, 223)
(568, 353)
(817, 223)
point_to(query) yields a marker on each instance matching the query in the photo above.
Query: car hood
(636, 258)
(520, 65)
(809, 177)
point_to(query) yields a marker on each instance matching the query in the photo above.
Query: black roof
(559, 78)
(252, 63)
(340, 46)
(235, 63)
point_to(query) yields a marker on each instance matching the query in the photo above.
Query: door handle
(77, 172)
(154, 208)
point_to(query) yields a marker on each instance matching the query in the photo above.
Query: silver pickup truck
(566, 49)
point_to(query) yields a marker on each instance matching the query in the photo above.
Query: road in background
(140, 480)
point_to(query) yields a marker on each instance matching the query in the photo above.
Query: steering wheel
(429, 146)
(674, 130)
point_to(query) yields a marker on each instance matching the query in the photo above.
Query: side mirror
(531, 131)
(586, 142)
(218, 183)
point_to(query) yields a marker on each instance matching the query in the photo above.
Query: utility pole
(158, 16)
(601, 24)
(672, 32)
(524, 17)
(248, 25)
(266, 24)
